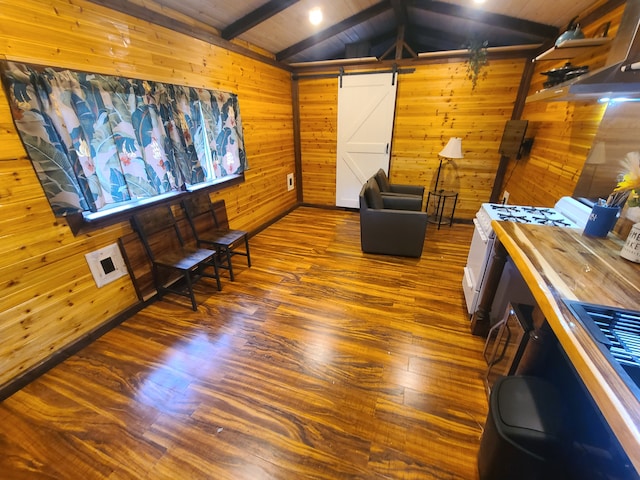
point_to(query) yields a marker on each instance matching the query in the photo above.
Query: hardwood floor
(318, 362)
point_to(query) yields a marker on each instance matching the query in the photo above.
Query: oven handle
(483, 236)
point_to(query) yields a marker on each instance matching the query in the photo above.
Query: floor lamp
(453, 149)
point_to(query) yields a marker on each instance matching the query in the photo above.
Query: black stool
(522, 435)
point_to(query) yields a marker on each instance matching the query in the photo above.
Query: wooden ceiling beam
(340, 27)
(400, 42)
(257, 16)
(400, 10)
(535, 29)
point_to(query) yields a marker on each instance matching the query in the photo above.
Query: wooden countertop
(561, 263)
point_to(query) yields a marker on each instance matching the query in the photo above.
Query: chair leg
(246, 244)
(187, 278)
(228, 252)
(215, 268)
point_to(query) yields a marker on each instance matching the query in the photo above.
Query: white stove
(566, 213)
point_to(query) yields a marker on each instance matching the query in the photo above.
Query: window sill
(90, 221)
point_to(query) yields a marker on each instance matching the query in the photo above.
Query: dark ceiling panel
(432, 39)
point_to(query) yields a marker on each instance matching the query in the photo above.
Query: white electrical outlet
(290, 183)
(106, 264)
(505, 197)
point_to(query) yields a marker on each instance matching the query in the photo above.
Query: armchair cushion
(396, 189)
(372, 194)
(402, 202)
(383, 181)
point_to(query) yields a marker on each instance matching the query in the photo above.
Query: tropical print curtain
(97, 141)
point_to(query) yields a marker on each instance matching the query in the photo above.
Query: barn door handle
(387, 150)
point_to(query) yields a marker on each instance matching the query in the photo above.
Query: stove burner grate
(512, 217)
(527, 214)
(554, 222)
(538, 210)
(505, 208)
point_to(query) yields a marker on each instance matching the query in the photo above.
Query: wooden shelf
(572, 48)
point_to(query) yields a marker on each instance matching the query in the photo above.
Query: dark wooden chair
(175, 265)
(210, 225)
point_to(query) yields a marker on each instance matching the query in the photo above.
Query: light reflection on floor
(196, 358)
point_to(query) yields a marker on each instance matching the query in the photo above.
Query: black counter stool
(522, 437)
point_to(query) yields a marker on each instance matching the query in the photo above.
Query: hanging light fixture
(453, 149)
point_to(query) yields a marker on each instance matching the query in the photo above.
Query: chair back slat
(198, 212)
(197, 204)
(138, 265)
(158, 231)
(219, 210)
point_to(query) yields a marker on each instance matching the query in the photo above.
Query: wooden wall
(436, 103)
(49, 298)
(563, 133)
(318, 99)
(433, 103)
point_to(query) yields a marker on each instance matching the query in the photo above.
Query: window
(99, 143)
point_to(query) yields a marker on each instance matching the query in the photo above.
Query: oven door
(476, 268)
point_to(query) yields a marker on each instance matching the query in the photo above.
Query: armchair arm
(407, 189)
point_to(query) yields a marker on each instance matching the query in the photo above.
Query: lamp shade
(453, 149)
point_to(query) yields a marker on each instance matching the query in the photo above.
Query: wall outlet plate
(290, 182)
(106, 264)
(505, 197)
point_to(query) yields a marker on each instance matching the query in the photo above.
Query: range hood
(621, 75)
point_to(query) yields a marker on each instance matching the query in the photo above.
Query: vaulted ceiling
(365, 28)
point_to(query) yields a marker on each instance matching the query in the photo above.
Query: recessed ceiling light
(315, 15)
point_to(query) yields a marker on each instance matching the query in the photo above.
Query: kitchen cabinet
(561, 263)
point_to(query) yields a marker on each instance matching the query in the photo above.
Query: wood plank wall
(433, 103)
(318, 106)
(49, 297)
(563, 133)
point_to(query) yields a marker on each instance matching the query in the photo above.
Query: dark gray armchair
(390, 225)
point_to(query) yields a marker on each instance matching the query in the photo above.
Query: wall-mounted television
(513, 138)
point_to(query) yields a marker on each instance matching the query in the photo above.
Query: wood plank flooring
(318, 362)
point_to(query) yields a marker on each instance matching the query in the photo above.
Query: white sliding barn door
(366, 107)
